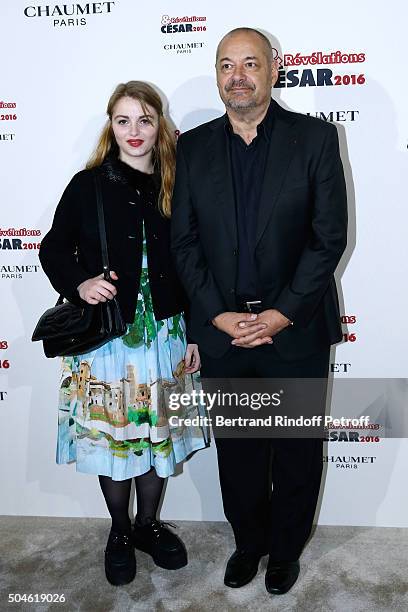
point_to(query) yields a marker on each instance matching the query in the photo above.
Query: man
(259, 225)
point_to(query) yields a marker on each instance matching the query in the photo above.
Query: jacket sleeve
(187, 313)
(58, 251)
(327, 241)
(188, 255)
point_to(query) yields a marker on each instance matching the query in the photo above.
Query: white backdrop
(56, 78)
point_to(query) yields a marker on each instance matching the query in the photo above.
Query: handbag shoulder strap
(101, 225)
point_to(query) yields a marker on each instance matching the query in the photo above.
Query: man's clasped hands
(249, 330)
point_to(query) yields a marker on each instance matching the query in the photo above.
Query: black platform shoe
(120, 560)
(155, 539)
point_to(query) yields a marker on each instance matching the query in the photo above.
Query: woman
(113, 418)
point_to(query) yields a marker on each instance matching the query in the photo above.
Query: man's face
(245, 75)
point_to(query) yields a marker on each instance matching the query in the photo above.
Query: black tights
(149, 488)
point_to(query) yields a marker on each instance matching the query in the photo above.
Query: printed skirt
(114, 414)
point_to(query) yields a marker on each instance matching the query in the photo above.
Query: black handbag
(72, 329)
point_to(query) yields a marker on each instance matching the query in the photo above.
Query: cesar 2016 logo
(175, 25)
(19, 239)
(349, 320)
(289, 77)
(4, 363)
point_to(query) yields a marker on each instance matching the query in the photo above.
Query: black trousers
(269, 486)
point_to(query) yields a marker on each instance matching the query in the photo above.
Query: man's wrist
(288, 321)
(212, 320)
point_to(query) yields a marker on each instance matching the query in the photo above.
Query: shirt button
(235, 252)
(161, 275)
(155, 236)
(131, 236)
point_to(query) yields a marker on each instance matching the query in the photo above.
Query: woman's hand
(95, 290)
(192, 360)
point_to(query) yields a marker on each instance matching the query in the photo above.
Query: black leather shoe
(241, 568)
(281, 576)
(155, 539)
(120, 561)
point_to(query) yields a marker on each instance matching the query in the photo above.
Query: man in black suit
(259, 225)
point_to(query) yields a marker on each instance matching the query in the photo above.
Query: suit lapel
(281, 149)
(220, 168)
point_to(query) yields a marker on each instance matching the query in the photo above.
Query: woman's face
(135, 131)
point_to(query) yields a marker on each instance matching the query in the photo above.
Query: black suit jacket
(300, 237)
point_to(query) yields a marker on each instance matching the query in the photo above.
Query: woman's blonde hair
(164, 153)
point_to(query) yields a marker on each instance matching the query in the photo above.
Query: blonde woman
(113, 412)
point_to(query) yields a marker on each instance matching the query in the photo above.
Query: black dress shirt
(248, 168)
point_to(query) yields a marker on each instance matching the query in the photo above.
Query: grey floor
(343, 569)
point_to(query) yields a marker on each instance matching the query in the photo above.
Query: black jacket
(300, 234)
(70, 253)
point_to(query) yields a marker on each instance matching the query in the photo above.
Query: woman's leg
(149, 534)
(149, 488)
(117, 495)
(120, 561)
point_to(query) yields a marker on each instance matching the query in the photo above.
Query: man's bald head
(267, 47)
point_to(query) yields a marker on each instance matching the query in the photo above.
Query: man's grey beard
(241, 105)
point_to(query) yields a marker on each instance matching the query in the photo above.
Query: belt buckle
(255, 304)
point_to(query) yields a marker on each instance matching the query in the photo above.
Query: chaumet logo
(292, 71)
(338, 115)
(348, 462)
(183, 48)
(63, 15)
(17, 272)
